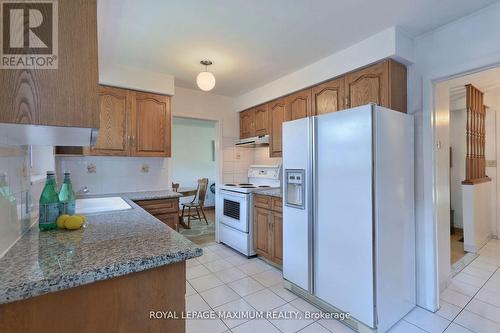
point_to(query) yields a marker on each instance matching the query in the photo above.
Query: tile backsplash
(15, 194)
(103, 174)
(238, 159)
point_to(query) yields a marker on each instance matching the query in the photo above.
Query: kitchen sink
(101, 205)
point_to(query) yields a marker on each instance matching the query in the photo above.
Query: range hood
(255, 141)
(21, 134)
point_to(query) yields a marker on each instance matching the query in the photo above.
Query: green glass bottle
(49, 204)
(67, 197)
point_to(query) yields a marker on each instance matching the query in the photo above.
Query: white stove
(236, 206)
(246, 187)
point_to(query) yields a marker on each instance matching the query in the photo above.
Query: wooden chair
(175, 187)
(197, 203)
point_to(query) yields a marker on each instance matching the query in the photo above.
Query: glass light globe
(205, 81)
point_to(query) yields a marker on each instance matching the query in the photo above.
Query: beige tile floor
(223, 280)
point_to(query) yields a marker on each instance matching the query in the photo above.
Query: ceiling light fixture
(205, 80)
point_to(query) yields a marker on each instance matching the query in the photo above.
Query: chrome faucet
(83, 190)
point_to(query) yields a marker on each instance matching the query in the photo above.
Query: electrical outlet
(91, 168)
(145, 168)
(237, 155)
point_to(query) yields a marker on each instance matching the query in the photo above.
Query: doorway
(195, 157)
(466, 168)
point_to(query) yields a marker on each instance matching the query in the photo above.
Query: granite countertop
(274, 192)
(136, 196)
(110, 245)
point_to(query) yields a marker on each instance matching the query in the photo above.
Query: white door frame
(432, 269)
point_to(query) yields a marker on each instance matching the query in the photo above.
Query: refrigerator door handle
(311, 190)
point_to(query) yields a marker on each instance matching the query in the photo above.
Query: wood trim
(475, 134)
(66, 96)
(476, 181)
(120, 304)
(262, 201)
(261, 128)
(276, 136)
(107, 124)
(336, 85)
(398, 95)
(165, 150)
(295, 110)
(378, 72)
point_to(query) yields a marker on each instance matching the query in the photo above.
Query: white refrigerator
(348, 213)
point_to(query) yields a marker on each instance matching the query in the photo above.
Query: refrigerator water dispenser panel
(295, 188)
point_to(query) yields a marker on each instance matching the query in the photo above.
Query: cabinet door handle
(132, 139)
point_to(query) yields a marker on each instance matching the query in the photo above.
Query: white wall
(193, 148)
(492, 100)
(466, 45)
(201, 105)
(42, 160)
(390, 43)
(116, 75)
(15, 197)
(476, 212)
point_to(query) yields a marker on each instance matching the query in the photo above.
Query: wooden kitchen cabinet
(247, 123)
(66, 96)
(268, 228)
(261, 120)
(165, 210)
(132, 124)
(262, 222)
(328, 97)
(277, 233)
(150, 125)
(114, 105)
(278, 113)
(383, 83)
(299, 104)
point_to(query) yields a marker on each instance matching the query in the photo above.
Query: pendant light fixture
(205, 80)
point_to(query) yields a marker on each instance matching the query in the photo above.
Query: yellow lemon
(83, 217)
(60, 221)
(73, 222)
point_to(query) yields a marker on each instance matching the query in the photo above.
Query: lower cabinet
(268, 228)
(165, 210)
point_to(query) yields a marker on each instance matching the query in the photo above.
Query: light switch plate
(91, 168)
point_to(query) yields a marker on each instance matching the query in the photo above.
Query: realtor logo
(29, 34)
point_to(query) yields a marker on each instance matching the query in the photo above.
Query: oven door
(235, 212)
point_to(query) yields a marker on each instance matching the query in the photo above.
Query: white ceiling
(253, 42)
(488, 81)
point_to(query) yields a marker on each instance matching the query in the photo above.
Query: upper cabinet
(150, 125)
(247, 123)
(113, 139)
(383, 83)
(278, 113)
(133, 124)
(261, 120)
(254, 122)
(299, 104)
(328, 97)
(66, 96)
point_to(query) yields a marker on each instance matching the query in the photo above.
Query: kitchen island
(105, 277)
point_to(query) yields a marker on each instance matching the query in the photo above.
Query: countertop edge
(39, 288)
